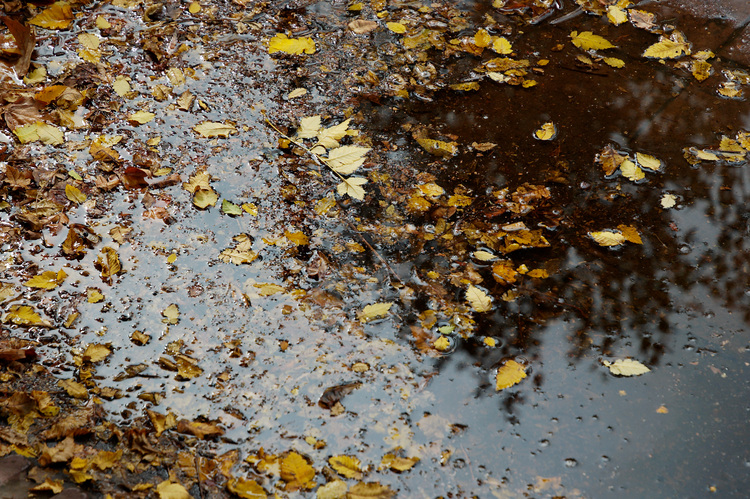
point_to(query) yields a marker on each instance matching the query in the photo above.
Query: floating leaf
(213, 129)
(57, 16)
(360, 26)
(346, 159)
(297, 237)
(24, 315)
(396, 28)
(437, 147)
(169, 490)
(352, 187)
(374, 311)
(626, 367)
(203, 198)
(48, 134)
(587, 40)
(171, 314)
(74, 194)
(616, 15)
(229, 208)
(669, 48)
(346, 466)
(297, 472)
(668, 200)
(484, 256)
(47, 280)
(141, 117)
(369, 490)
(478, 299)
(607, 238)
(630, 234)
(246, 489)
(93, 295)
(398, 464)
(509, 374)
(648, 162)
(546, 132)
(267, 289)
(501, 45)
(108, 263)
(96, 352)
(73, 388)
(282, 43)
(631, 171)
(309, 127)
(297, 92)
(332, 490)
(442, 344)
(329, 137)
(614, 62)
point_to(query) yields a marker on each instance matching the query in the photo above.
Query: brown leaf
(200, 430)
(25, 40)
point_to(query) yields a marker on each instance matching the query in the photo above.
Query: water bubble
(684, 249)
(544, 443)
(571, 463)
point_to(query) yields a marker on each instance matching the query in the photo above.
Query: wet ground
(278, 350)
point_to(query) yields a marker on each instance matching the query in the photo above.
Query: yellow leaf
(198, 180)
(212, 129)
(171, 314)
(48, 134)
(668, 201)
(626, 367)
(47, 280)
(442, 344)
(267, 289)
(346, 159)
(538, 274)
(482, 38)
(24, 315)
(96, 352)
(616, 15)
(502, 46)
(102, 23)
(478, 299)
(614, 62)
(607, 238)
(203, 198)
(281, 43)
(484, 256)
(296, 472)
(332, 490)
(309, 127)
(397, 28)
(509, 374)
(73, 388)
(374, 311)
(369, 490)
(504, 272)
(648, 162)
(662, 409)
(346, 466)
(297, 92)
(89, 41)
(74, 194)
(631, 171)
(630, 234)
(108, 262)
(141, 117)
(352, 187)
(246, 489)
(194, 7)
(438, 147)
(701, 69)
(546, 132)
(398, 464)
(169, 490)
(57, 16)
(587, 40)
(297, 237)
(329, 137)
(459, 200)
(668, 48)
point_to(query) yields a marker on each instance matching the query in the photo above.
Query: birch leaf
(626, 367)
(648, 162)
(346, 159)
(24, 315)
(478, 299)
(47, 280)
(509, 374)
(203, 198)
(141, 117)
(586, 40)
(631, 171)
(297, 472)
(630, 234)
(212, 129)
(352, 187)
(607, 238)
(74, 194)
(57, 16)
(295, 46)
(667, 48)
(374, 311)
(346, 466)
(502, 46)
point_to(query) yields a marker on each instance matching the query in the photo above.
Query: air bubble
(571, 463)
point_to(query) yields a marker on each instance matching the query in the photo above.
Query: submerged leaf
(346, 466)
(297, 472)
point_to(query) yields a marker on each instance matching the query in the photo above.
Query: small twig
(196, 461)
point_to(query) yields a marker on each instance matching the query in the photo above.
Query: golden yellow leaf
(203, 198)
(509, 374)
(297, 472)
(538, 274)
(478, 299)
(282, 43)
(102, 23)
(438, 147)
(630, 234)
(297, 92)
(662, 409)
(668, 200)
(504, 272)
(332, 490)
(213, 129)
(352, 187)
(626, 367)
(501, 45)
(329, 137)
(587, 40)
(346, 159)
(668, 48)
(188, 369)
(73, 388)
(398, 464)
(48, 134)
(246, 489)
(194, 7)
(484, 256)
(374, 311)
(482, 38)
(442, 344)
(89, 40)
(701, 70)
(631, 171)
(648, 162)
(459, 200)
(74, 194)
(369, 490)
(108, 263)
(47, 280)
(96, 352)
(309, 127)
(614, 62)
(169, 490)
(346, 466)
(607, 238)
(616, 15)
(431, 190)
(297, 237)
(610, 159)
(57, 16)
(24, 315)
(546, 132)
(48, 485)
(397, 28)
(171, 314)
(141, 117)
(267, 289)
(465, 87)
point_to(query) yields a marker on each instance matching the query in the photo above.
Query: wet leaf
(668, 201)
(171, 314)
(631, 171)
(169, 490)
(74, 194)
(630, 234)
(267, 289)
(546, 132)
(96, 352)
(648, 162)
(48, 134)
(296, 237)
(397, 28)
(352, 187)
(329, 137)
(199, 429)
(587, 40)
(281, 43)
(437, 147)
(614, 62)
(616, 15)
(212, 129)
(229, 208)
(309, 127)
(24, 315)
(297, 472)
(203, 198)
(607, 238)
(73, 388)
(49, 485)
(346, 159)
(332, 490)
(478, 299)
(442, 344)
(141, 117)
(509, 374)
(669, 48)
(57, 16)
(374, 311)
(484, 256)
(610, 159)
(47, 280)
(108, 263)
(502, 46)
(398, 464)
(241, 253)
(626, 367)
(246, 489)
(346, 466)
(369, 490)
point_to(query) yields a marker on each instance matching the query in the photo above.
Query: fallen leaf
(74, 194)
(346, 466)
(332, 490)
(374, 311)
(57, 16)
(669, 48)
(297, 472)
(648, 162)
(369, 490)
(668, 201)
(213, 129)
(346, 159)
(24, 315)
(247, 489)
(169, 490)
(108, 263)
(509, 374)
(478, 299)
(229, 208)
(171, 314)
(96, 352)
(47, 280)
(352, 187)
(607, 238)
(587, 40)
(397, 28)
(282, 43)
(361, 26)
(203, 198)
(141, 117)
(631, 171)
(662, 410)
(626, 367)
(398, 464)
(546, 132)
(266, 289)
